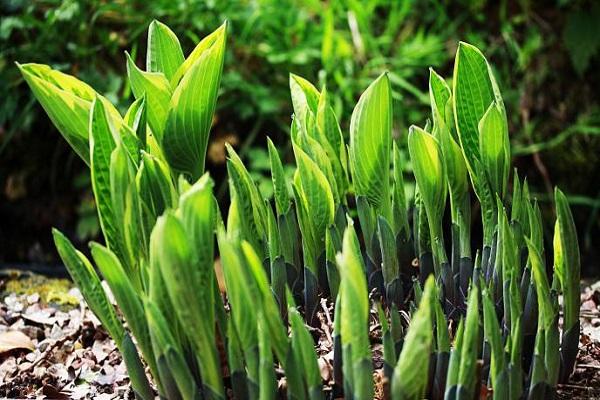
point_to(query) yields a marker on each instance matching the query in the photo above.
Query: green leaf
(410, 375)
(242, 294)
(441, 327)
(474, 88)
(191, 111)
(439, 96)
(235, 360)
(454, 362)
(103, 140)
(124, 209)
(136, 119)
(547, 342)
(155, 187)
(567, 265)
(88, 282)
(542, 288)
(428, 167)
(198, 213)
(317, 153)
(303, 346)
(354, 297)
(280, 186)
(164, 52)
(305, 98)
(484, 193)
(429, 172)
(328, 125)
(399, 196)
(316, 200)
(389, 350)
(155, 87)
(467, 376)
(371, 145)
(272, 319)
(332, 140)
(128, 300)
(493, 336)
(67, 101)
(268, 384)
(579, 35)
(136, 370)
(187, 278)
(198, 51)
(494, 147)
(169, 352)
(536, 227)
(251, 207)
(389, 251)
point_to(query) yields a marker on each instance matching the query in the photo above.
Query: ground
(52, 346)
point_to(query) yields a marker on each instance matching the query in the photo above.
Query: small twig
(570, 386)
(590, 366)
(326, 326)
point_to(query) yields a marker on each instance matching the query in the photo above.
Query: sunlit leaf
(164, 52)
(191, 111)
(371, 145)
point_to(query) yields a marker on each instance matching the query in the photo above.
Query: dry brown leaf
(12, 340)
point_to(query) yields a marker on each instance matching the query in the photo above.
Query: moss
(50, 290)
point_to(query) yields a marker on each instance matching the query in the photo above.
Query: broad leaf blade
(164, 52)
(155, 87)
(474, 89)
(371, 145)
(191, 111)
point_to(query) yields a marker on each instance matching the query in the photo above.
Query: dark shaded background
(545, 55)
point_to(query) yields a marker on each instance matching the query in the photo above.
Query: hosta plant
(232, 304)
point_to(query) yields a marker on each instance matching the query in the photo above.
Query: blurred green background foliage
(545, 56)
